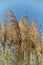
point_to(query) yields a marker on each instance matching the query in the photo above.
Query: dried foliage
(19, 43)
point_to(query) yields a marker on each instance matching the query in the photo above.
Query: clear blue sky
(35, 8)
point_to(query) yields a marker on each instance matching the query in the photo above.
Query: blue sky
(35, 8)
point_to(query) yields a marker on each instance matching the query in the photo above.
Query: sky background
(34, 7)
